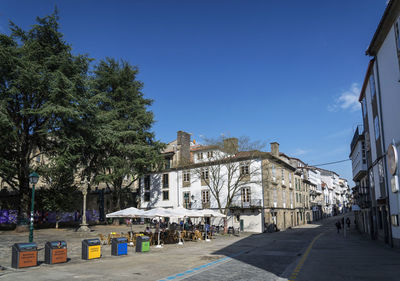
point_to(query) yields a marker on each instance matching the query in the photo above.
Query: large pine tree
(42, 90)
(126, 148)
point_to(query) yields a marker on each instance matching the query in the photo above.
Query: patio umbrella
(211, 213)
(130, 212)
(159, 212)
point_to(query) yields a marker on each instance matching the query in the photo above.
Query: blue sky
(285, 71)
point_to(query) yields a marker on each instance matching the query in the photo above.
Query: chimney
(183, 142)
(231, 145)
(275, 149)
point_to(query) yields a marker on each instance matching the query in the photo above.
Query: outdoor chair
(103, 239)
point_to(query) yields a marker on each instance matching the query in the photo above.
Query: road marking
(202, 267)
(303, 259)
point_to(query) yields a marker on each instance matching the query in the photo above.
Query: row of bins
(26, 254)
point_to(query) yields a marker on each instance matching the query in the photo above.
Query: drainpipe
(177, 187)
(384, 150)
(263, 196)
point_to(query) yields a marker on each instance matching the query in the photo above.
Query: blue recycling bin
(119, 246)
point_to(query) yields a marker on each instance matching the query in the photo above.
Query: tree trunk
(58, 218)
(225, 225)
(24, 203)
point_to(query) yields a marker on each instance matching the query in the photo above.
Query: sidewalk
(354, 257)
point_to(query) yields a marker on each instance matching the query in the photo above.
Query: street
(312, 252)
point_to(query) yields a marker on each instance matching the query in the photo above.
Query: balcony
(253, 203)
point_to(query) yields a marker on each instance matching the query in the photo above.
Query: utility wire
(330, 163)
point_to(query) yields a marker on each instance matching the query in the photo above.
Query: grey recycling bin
(24, 255)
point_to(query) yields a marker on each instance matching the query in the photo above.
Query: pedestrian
(338, 226)
(348, 223)
(343, 222)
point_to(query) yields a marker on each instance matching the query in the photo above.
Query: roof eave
(385, 24)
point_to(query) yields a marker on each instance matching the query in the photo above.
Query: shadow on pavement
(274, 252)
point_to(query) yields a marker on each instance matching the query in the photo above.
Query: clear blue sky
(285, 71)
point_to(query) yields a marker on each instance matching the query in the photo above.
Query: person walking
(338, 226)
(348, 223)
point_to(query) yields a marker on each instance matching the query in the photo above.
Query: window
(376, 122)
(165, 180)
(372, 85)
(244, 170)
(363, 153)
(381, 172)
(38, 158)
(186, 176)
(200, 156)
(165, 194)
(273, 172)
(397, 34)
(167, 163)
(147, 196)
(283, 176)
(290, 177)
(364, 107)
(297, 197)
(209, 154)
(284, 198)
(204, 174)
(275, 197)
(246, 194)
(291, 199)
(147, 183)
(371, 178)
(186, 199)
(205, 196)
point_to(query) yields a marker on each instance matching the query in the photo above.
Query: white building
(184, 183)
(380, 101)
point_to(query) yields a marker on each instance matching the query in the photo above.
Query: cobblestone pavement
(311, 252)
(135, 266)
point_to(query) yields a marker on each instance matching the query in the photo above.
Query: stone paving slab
(153, 265)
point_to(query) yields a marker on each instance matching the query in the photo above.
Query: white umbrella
(211, 213)
(130, 212)
(126, 213)
(159, 212)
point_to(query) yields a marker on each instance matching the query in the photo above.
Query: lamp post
(33, 179)
(84, 226)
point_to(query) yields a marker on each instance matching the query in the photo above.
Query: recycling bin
(91, 249)
(142, 244)
(24, 255)
(55, 252)
(119, 246)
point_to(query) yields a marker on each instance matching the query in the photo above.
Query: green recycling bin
(142, 244)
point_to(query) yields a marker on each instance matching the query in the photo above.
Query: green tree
(125, 147)
(42, 90)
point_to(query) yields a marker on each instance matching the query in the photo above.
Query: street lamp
(84, 226)
(33, 179)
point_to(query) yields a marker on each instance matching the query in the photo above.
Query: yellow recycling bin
(91, 249)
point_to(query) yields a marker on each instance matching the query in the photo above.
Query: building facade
(380, 98)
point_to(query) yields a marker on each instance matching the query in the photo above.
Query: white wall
(389, 75)
(252, 221)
